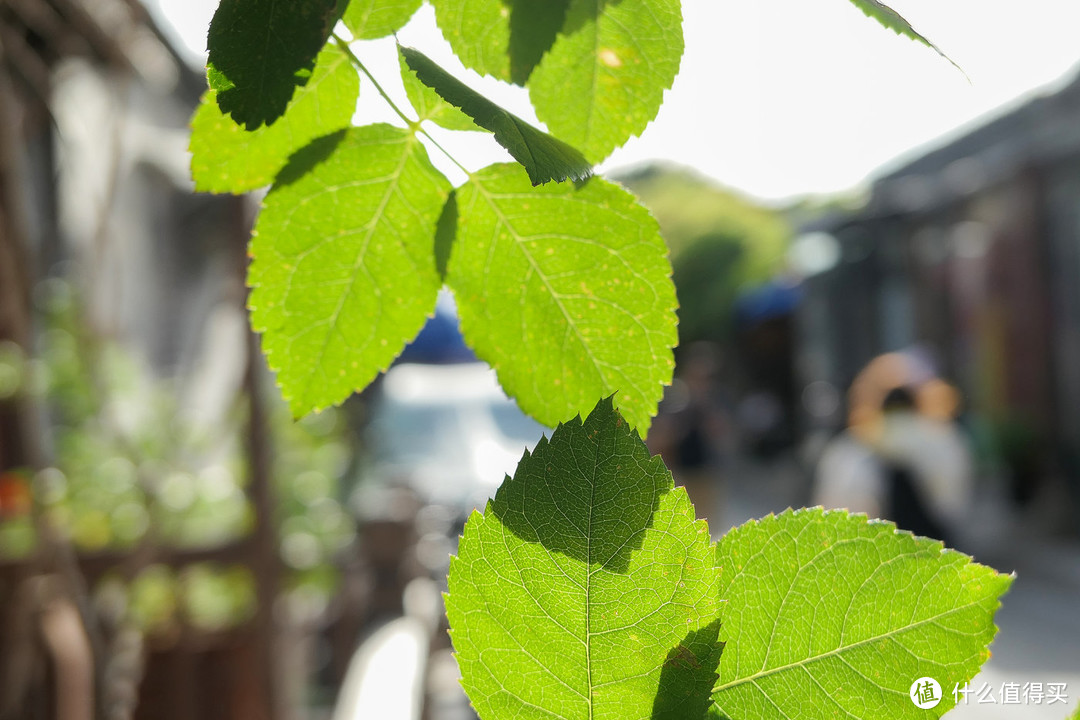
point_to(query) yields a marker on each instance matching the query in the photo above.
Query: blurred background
(884, 316)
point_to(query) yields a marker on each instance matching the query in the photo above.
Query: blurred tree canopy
(720, 243)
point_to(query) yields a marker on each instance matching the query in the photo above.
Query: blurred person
(902, 457)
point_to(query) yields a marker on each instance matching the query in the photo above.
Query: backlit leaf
(543, 157)
(370, 19)
(501, 38)
(829, 615)
(261, 50)
(566, 292)
(586, 590)
(428, 104)
(604, 78)
(343, 271)
(227, 158)
(894, 21)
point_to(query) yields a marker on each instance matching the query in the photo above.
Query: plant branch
(344, 45)
(413, 125)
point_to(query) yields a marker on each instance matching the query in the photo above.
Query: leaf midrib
(376, 218)
(842, 649)
(519, 241)
(588, 579)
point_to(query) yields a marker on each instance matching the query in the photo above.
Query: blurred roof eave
(1042, 131)
(35, 35)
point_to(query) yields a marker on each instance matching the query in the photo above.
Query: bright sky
(786, 98)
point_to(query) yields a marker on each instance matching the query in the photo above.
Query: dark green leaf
(604, 78)
(544, 157)
(895, 21)
(429, 105)
(343, 270)
(445, 234)
(370, 19)
(261, 50)
(587, 589)
(227, 158)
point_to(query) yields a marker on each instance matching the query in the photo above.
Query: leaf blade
(504, 39)
(225, 158)
(826, 611)
(544, 157)
(604, 78)
(892, 20)
(428, 104)
(343, 271)
(260, 51)
(371, 19)
(566, 292)
(584, 589)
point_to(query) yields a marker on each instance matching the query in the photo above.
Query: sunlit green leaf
(586, 590)
(227, 158)
(261, 50)
(370, 19)
(343, 271)
(566, 292)
(828, 615)
(604, 78)
(428, 104)
(543, 157)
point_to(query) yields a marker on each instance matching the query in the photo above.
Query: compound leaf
(583, 591)
(543, 157)
(829, 615)
(429, 105)
(261, 50)
(370, 19)
(566, 292)
(343, 271)
(227, 158)
(604, 78)
(894, 21)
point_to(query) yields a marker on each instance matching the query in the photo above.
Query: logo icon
(925, 693)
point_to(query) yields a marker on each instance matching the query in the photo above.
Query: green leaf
(503, 39)
(586, 589)
(566, 292)
(829, 615)
(543, 157)
(370, 19)
(261, 50)
(227, 158)
(343, 271)
(894, 21)
(604, 78)
(427, 103)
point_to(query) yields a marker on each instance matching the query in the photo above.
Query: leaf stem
(344, 45)
(450, 157)
(413, 125)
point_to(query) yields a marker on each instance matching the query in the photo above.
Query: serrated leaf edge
(820, 511)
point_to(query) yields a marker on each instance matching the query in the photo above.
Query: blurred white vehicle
(448, 433)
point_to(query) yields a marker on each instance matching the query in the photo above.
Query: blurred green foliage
(720, 243)
(129, 471)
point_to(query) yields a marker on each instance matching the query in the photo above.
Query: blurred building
(94, 189)
(970, 253)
